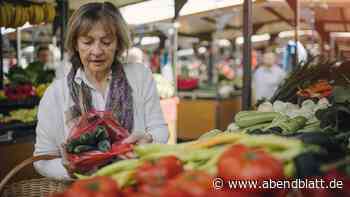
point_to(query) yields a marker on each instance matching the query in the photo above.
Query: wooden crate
(197, 116)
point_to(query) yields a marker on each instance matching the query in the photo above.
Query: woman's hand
(138, 138)
(65, 162)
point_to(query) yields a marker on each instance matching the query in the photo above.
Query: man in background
(268, 77)
(42, 58)
(43, 54)
(39, 69)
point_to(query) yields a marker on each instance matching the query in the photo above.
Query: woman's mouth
(97, 61)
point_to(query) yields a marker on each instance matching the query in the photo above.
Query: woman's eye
(106, 42)
(86, 42)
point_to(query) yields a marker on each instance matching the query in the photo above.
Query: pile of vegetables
(316, 76)
(19, 92)
(2, 95)
(40, 89)
(303, 76)
(188, 169)
(320, 89)
(187, 83)
(96, 187)
(336, 117)
(34, 74)
(156, 164)
(280, 117)
(29, 82)
(320, 122)
(94, 142)
(20, 115)
(281, 140)
(310, 140)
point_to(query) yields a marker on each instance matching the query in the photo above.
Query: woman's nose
(96, 49)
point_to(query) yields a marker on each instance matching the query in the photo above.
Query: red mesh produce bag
(95, 141)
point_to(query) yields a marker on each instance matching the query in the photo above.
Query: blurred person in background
(41, 70)
(267, 77)
(43, 56)
(135, 56)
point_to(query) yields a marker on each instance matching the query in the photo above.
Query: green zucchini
(258, 126)
(104, 145)
(72, 144)
(209, 134)
(83, 148)
(293, 125)
(88, 138)
(101, 133)
(254, 117)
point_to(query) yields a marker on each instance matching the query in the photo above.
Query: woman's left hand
(138, 138)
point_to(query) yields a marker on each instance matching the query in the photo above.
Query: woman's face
(97, 49)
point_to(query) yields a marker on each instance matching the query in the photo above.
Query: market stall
(273, 27)
(304, 142)
(21, 93)
(301, 135)
(23, 24)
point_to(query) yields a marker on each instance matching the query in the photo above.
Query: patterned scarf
(119, 99)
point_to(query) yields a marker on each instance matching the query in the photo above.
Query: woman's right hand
(138, 138)
(65, 161)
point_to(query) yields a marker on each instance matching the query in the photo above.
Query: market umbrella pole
(247, 55)
(18, 46)
(296, 31)
(63, 7)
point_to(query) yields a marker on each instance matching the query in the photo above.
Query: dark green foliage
(335, 118)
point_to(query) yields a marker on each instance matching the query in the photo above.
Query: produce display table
(7, 105)
(197, 116)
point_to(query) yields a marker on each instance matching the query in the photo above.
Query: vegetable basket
(32, 187)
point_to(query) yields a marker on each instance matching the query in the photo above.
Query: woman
(97, 37)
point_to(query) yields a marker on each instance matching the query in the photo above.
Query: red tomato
(171, 191)
(128, 191)
(96, 187)
(321, 192)
(172, 164)
(138, 194)
(150, 174)
(154, 191)
(158, 172)
(243, 163)
(81, 192)
(231, 193)
(192, 183)
(58, 195)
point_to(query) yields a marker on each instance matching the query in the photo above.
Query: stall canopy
(77, 3)
(119, 3)
(269, 16)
